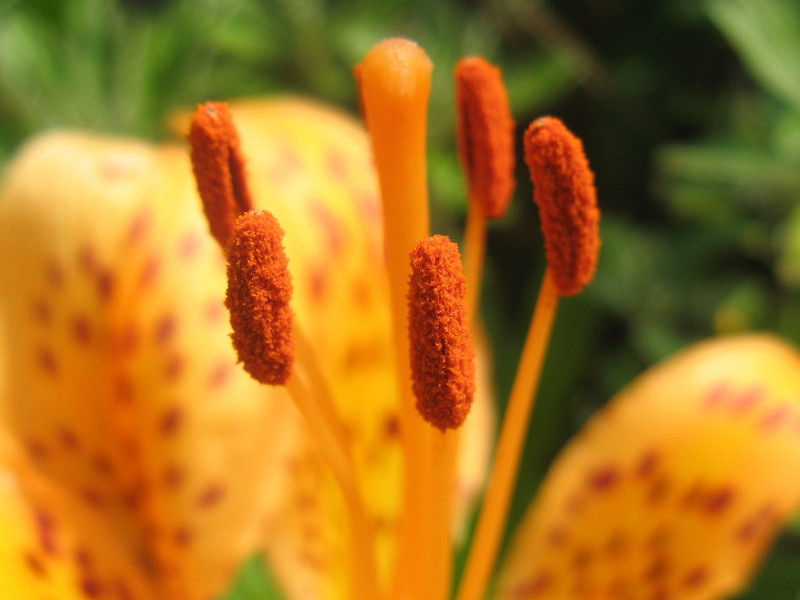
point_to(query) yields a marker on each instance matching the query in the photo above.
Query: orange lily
(139, 461)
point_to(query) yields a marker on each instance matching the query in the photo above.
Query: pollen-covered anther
(258, 297)
(442, 355)
(565, 192)
(485, 134)
(219, 169)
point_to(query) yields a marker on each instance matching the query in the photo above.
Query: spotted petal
(52, 546)
(676, 488)
(122, 384)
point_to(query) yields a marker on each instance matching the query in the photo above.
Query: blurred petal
(676, 488)
(122, 384)
(311, 167)
(52, 547)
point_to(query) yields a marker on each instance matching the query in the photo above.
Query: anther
(219, 170)
(485, 134)
(258, 296)
(567, 199)
(442, 356)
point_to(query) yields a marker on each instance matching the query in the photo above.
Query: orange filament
(485, 135)
(565, 193)
(442, 356)
(258, 295)
(219, 168)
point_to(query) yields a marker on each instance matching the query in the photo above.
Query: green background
(689, 111)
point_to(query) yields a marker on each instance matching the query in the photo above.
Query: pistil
(394, 81)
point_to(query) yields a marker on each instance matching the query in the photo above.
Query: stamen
(442, 356)
(565, 193)
(218, 165)
(485, 135)
(258, 295)
(570, 217)
(486, 149)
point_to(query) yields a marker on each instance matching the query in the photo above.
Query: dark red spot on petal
(150, 272)
(182, 536)
(747, 399)
(102, 465)
(719, 500)
(105, 285)
(391, 426)
(603, 479)
(535, 586)
(173, 476)
(716, 396)
(91, 587)
(68, 439)
(81, 329)
(211, 496)
(37, 450)
(215, 311)
(648, 463)
(696, 578)
(775, 417)
(123, 389)
(45, 526)
(171, 420)
(140, 227)
(220, 374)
(93, 498)
(55, 275)
(189, 245)
(35, 564)
(165, 329)
(127, 341)
(174, 367)
(47, 361)
(42, 312)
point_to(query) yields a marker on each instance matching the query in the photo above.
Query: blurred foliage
(690, 113)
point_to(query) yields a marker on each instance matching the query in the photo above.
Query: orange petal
(52, 547)
(122, 383)
(676, 488)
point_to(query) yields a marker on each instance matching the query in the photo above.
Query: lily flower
(140, 461)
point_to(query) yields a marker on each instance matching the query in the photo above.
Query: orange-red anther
(485, 134)
(258, 296)
(219, 169)
(442, 356)
(564, 190)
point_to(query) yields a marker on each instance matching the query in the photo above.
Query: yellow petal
(122, 383)
(312, 168)
(676, 488)
(53, 547)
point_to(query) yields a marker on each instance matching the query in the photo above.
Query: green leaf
(254, 582)
(766, 34)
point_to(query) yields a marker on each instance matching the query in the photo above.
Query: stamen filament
(564, 190)
(394, 81)
(474, 252)
(494, 511)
